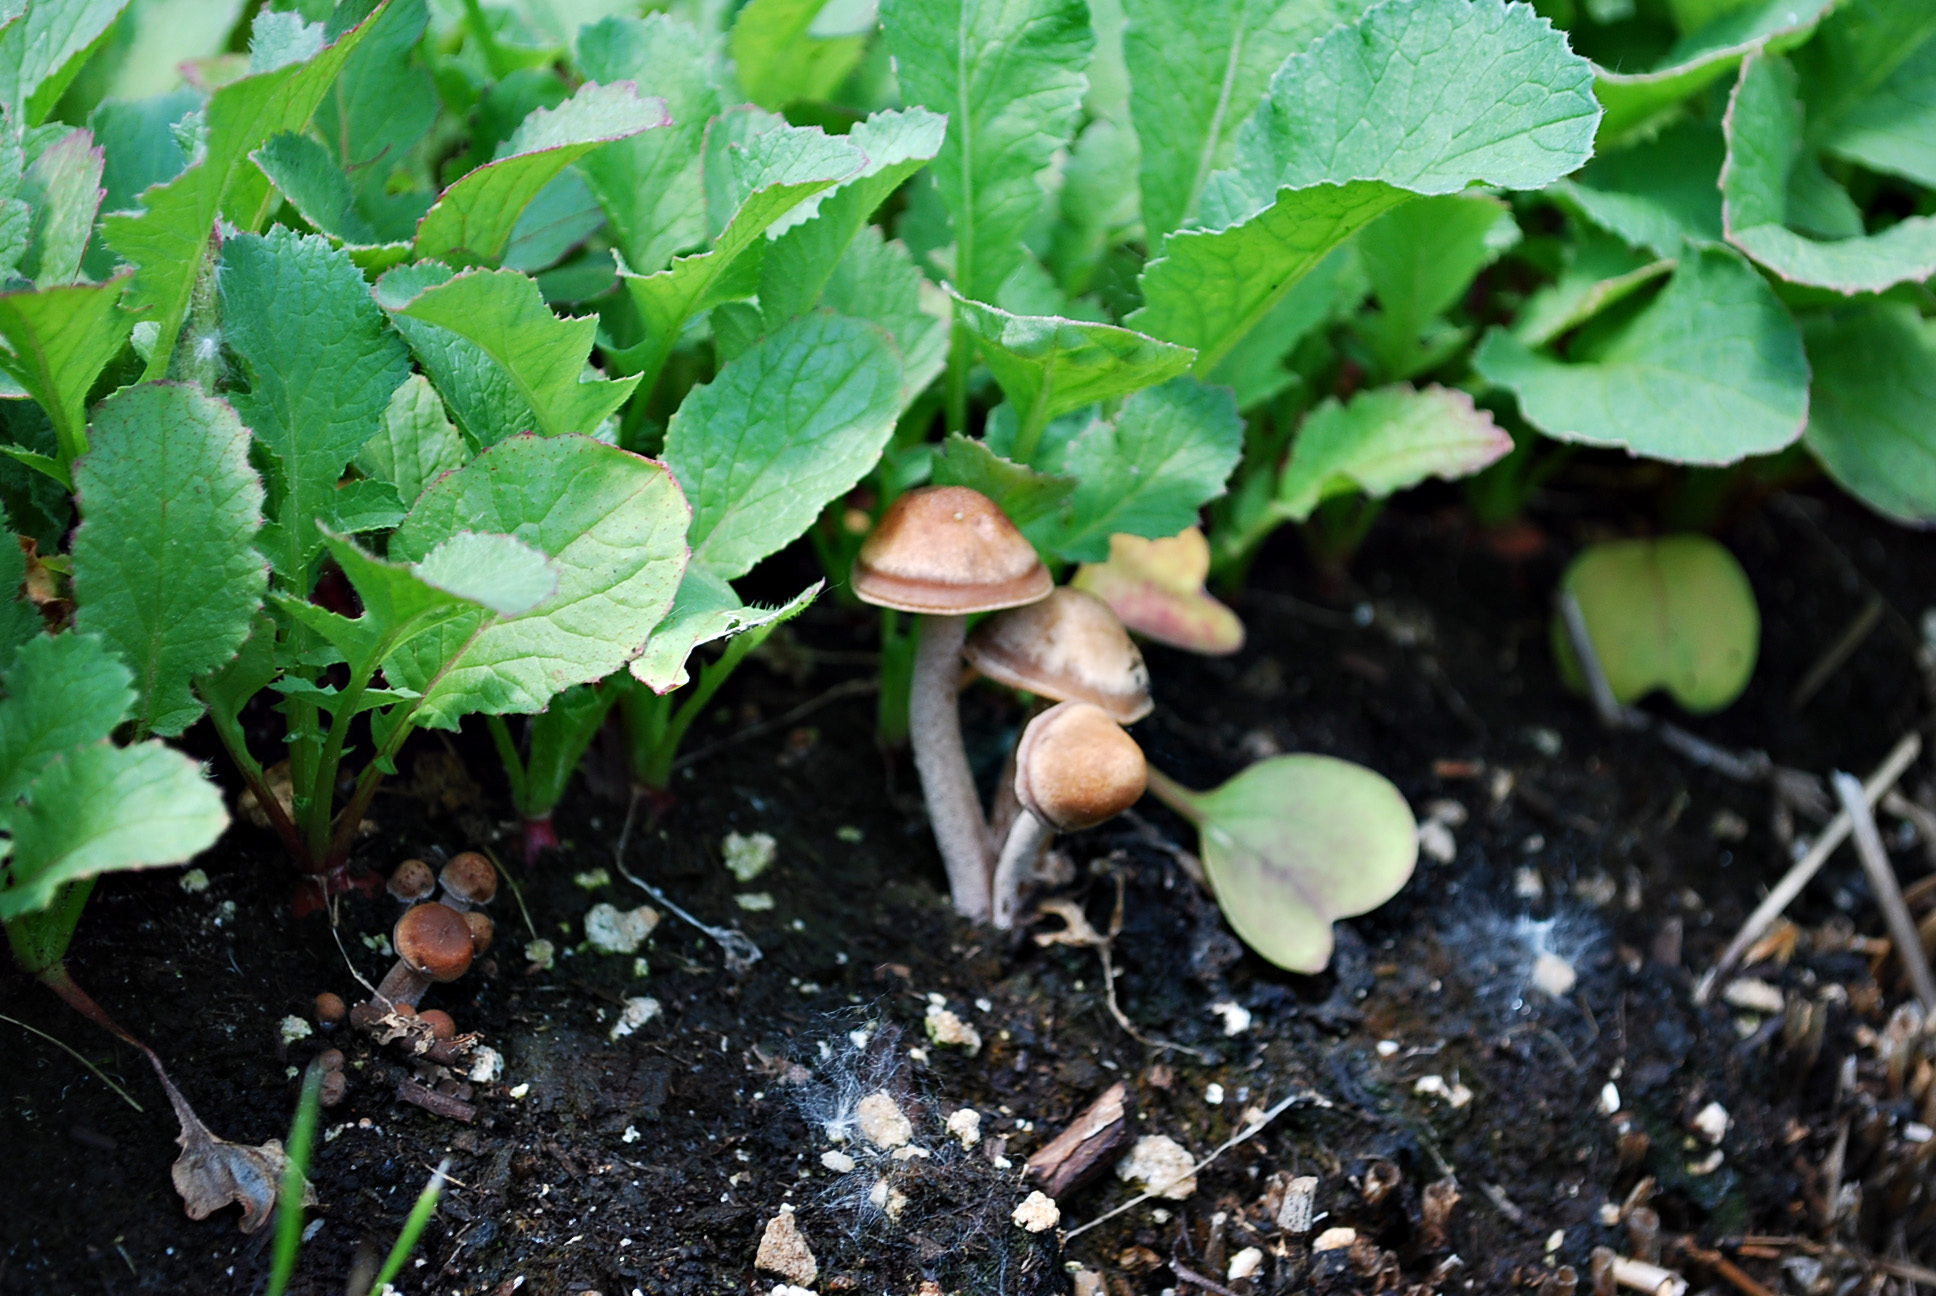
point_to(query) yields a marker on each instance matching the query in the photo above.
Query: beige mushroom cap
(1076, 768)
(949, 551)
(1070, 647)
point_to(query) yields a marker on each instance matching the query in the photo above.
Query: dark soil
(651, 1163)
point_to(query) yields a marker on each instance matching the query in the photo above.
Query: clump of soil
(1502, 1071)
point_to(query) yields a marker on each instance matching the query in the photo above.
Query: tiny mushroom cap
(413, 881)
(470, 878)
(330, 1008)
(1076, 767)
(435, 941)
(948, 551)
(442, 1025)
(483, 930)
(1069, 647)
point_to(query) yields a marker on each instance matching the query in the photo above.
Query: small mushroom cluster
(947, 553)
(435, 941)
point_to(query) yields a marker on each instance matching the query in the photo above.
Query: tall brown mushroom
(945, 553)
(433, 943)
(1074, 768)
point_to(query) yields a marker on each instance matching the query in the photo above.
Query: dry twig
(1882, 880)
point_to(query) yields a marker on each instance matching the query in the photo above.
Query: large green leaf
(1048, 366)
(19, 619)
(41, 51)
(1296, 842)
(1600, 271)
(1892, 130)
(57, 342)
(1384, 441)
(1197, 69)
(1167, 454)
(876, 280)
(758, 169)
(102, 808)
(415, 444)
(482, 396)
(1764, 132)
(650, 184)
(167, 240)
(1656, 194)
(63, 186)
(1009, 76)
(706, 610)
(1638, 102)
(304, 173)
(62, 691)
(165, 568)
(1420, 259)
(321, 363)
(377, 114)
(1711, 372)
(1028, 497)
(790, 424)
(1097, 210)
(1869, 408)
(1858, 51)
(473, 219)
(503, 314)
(614, 525)
(781, 59)
(1418, 98)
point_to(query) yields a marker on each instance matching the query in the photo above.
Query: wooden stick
(1882, 880)
(1892, 768)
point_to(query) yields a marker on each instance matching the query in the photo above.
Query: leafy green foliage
(1675, 613)
(1868, 412)
(781, 58)
(1385, 441)
(58, 340)
(40, 51)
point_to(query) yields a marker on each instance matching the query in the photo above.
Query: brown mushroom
(483, 930)
(330, 1009)
(1075, 768)
(433, 944)
(413, 881)
(946, 552)
(442, 1025)
(469, 879)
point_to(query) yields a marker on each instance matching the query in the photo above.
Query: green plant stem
(322, 795)
(1174, 795)
(662, 726)
(480, 26)
(238, 749)
(960, 357)
(40, 939)
(1034, 419)
(413, 1227)
(507, 752)
(295, 1181)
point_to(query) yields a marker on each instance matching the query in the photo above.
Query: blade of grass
(413, 1227)
(295, 1182)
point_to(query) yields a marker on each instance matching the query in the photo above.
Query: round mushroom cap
(435, 940)
(470, 877)
(948, 551)
(1075, 767)
(483, 930)
(442, 1025)
(1069, 647)
(413, 881)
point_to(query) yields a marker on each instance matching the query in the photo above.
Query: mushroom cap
(483, 930)
(948, 551)
(470, 877)
(435, 940)
(1075, 767)
(1069, 647)
(413, 881)
(442, 1025)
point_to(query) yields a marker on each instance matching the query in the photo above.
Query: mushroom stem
(403, 984)
(1026, 838)
(934, 731)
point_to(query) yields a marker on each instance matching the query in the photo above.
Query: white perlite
(882, 1121)
(784, 1251)
(1038, 1213)
(611, 930)
(1236, 1017)
(1245, 1264)
(748, 856)
(293, 1028)
(944, 1027)
(487, 1066)
(636, 1013)
(1712, 1122)
(1335, 1239)
(1161, 1165)
(1554, 974)
(1751, 995)
(965, 1124)
(838, 1162)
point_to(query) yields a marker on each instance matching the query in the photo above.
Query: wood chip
(1085, 1149)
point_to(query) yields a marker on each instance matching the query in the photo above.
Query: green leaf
(101, 809)
(876, 281)
(1764, 131)
(613, 523)
(1640, 102)
(142, 150)
(63, 691)
(1384, 441)
(1868, 411)
(1860, 47)
(1892, 130)
(41, 51)
(473, 219)
(1025, 495)
(415, 444)
(1168, 453)
(1600, 272)
(1656, 194)
(1675, 613)
(753, 180)
(321, 366)
(502, 313)
(58, 340)
(781, 60)
(483, 398)
(1254, 368)
(1421, 258)
(1197, 69)
(166, 242)
(1295, 843)
(1048, 366)
(499, 572)
(164, 565)
(1097, 209)
(707, 609)
(650, 184)
(1711, 372)
(794, 422)
(798, 264)
(19, 619)
(1009, 76)
(1353, 127)
(63, 186)
(378, 112)
(306, 175)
